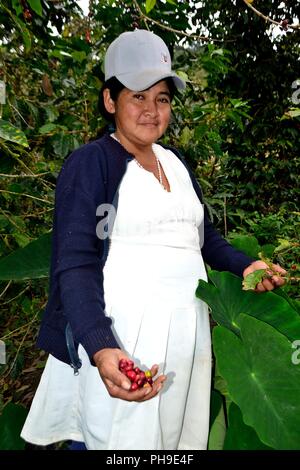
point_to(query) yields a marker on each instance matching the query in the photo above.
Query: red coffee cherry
(131, 375)
(138, 377)
(27, 15)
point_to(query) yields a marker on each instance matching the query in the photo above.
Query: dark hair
(115, 87)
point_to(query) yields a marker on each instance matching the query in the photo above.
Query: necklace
(158, 164)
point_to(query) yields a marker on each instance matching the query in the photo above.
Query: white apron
(150, 277)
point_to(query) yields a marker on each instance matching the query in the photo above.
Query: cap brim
(143, 81)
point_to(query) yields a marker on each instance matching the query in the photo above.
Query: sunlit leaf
(79, 56)
(185, 136)
(47, 128)
(12, 133)
(252, 279)
(149, 5)
(292, 113)
(283, 245)
(21, 239)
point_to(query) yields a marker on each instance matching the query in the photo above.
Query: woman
(126, 260)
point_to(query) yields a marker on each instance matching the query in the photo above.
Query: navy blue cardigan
(89, 177)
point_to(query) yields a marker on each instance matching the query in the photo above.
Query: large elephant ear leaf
(30, 262)
(262, 380)
(239, 436)
(11, 422)
(227, 300)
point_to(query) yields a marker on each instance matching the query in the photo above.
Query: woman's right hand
(117, 384)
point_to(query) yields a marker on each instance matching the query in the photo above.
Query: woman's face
(141, 117)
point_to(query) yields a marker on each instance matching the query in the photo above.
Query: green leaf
(79, 56)
(217, 52)
(12, 133)
(186, 136)
(217, 422)
(24, 31)
(293, 302)
(69, 82)
(248, 244)
(252, 279)
(16, 4)
(30, 262)
(292, 113)
(216, 403)
(183, 75)
(36, 6)
(47, 128)
(6, 164)
(26, 305)
(62, 144)
(236, 118)
(34, 110)
(267, 250)
(200, 131)
(239, 436)
(21, 239)
(11, 422)
(59, 54)
(15, 187)
(227, 300)
(284, 244)
(262, 380)
(220, 384)
(4, 222)
(17, 223)
(149, 5)
(52, 114)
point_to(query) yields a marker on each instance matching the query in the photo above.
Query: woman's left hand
(270, 283)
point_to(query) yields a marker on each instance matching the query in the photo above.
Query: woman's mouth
(150, 124)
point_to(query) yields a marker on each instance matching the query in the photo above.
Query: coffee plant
(237, 124)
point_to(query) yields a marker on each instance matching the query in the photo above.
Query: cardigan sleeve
(79, 268)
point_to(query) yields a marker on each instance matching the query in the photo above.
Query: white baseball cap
(139, 59)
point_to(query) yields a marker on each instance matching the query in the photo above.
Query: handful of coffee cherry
(138, 377)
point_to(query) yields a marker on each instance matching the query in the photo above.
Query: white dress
(150, 277)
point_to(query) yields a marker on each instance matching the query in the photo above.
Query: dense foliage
(237, 124)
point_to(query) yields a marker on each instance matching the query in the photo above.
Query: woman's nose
(150, 108)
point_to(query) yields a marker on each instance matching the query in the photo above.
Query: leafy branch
(283, 24)
(146, 18)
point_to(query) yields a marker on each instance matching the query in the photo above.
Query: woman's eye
(164, 100)
(138, 97)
